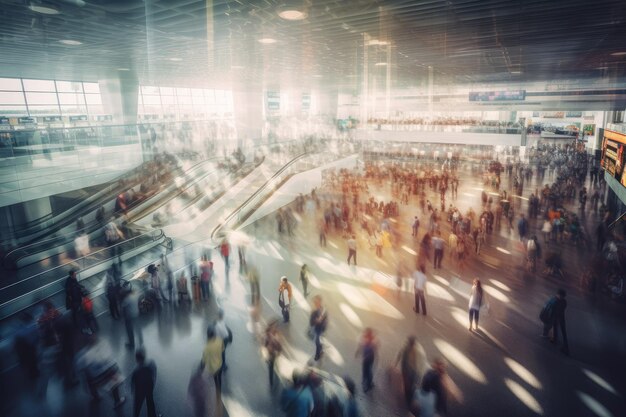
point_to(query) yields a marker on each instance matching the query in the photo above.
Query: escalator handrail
(255, 194)
(90, 199)
(91, 226)
(161, 236)
(160, 233)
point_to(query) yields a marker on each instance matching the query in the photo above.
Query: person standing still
(142, 382)
(352, 249)
(420, 286)
(130, 313)
(438, 244)
(73, 295)
(304, 278)
(415, 227)
(368, 349)
(475, 302)
(284, 297)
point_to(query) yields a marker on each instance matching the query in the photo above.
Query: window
(93, 99)
(41, 98)
(11, 97)
(72, 98)
(167, 91)
(10, 84)
(39, 85)
(13, 110)
(150, 90)
(69, 87)
(93, 88)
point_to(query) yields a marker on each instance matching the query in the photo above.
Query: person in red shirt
(225, 251)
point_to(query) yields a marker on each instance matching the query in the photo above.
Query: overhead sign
(51, 119)
(306, 101)
(26, 120)
(81, 118)
(273, 100)
(515, 95)
(4, 121)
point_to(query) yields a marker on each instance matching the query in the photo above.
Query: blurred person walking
(112, 293)
(25, 345)
(420, 280)
(352, 249)
(206, 277)
(225, 252)
(130, 313)
(142, 383)
(438, 244)
(368, 349)
(304, 279)
(409, 359)
(212, 356)
(318, 322)
(296, 400)
(553, 317)
(199, 392)
(273, 347)
(73, 295)
(435, 381)
(223, 332)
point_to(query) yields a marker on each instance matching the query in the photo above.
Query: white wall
(440, 137)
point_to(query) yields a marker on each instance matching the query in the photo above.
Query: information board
(515, 95)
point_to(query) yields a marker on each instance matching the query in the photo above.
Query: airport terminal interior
(312, 208)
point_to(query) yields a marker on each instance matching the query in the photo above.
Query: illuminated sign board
(26, 120)
(51, 119)
(612, 161)
(516, 95)
(81, 118)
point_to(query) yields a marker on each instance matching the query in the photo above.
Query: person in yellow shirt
(212, 356)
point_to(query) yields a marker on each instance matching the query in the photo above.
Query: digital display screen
(516, 95)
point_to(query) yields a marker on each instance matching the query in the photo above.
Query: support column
(120, 96)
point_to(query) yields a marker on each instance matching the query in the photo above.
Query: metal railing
(28, 291)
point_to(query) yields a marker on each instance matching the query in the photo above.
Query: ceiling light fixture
(267, 41)
(381, 64)
(516, 72)
(175, 59)
(123, 69)
(38, 8)
(622, 53)
(292, 14)
(70, 42)
(317, 76)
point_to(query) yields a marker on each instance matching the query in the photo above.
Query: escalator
(47, 225)
(29, 291)
(51, 249)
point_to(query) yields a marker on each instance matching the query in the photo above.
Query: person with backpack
(368, 349)
(318, 322)
(284, 297)
(553, 317)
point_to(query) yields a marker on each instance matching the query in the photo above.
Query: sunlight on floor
(351, 315)
(460, 361)
(497, 294)
(300, 300)
(409, 250)
(331, 243)
(442, 280)
(523, 373)
(460, 316)
(600, 381)
(499, 284)
(524, 396)
(366, 299)
(593, 404)
(331, 352)
(498, 248)
(437, 291)
(313, 281)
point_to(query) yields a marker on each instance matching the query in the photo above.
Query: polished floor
(506, 368)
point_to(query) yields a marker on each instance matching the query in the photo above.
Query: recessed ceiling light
(623, 53)
(71, 42)
(292, 14)
(381, 64)
(175, 59)
(267, 40)
(602, 68)
(123, 69)
(43, 9)
(516, 72)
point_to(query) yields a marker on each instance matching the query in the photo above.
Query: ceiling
(165, 41)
